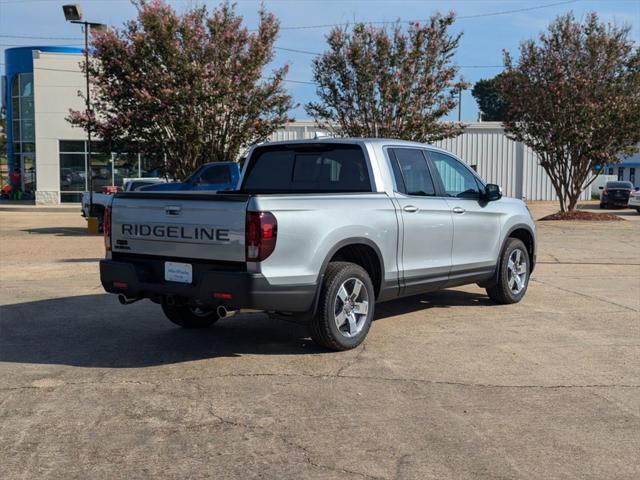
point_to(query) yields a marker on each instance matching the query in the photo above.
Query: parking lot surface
(447, 385)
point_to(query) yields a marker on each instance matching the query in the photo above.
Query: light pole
(73, 14)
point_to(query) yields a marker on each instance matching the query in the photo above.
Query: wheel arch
(522, 232)
(361, 251)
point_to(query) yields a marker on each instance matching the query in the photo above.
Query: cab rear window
(312, 168)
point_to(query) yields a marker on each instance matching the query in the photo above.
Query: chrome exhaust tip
(126, 300)
(224, 313)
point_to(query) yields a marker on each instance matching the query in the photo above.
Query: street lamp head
(72, 13)
(98, 27)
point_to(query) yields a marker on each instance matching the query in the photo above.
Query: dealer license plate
(178, 272)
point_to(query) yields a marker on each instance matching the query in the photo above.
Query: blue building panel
(19, 60)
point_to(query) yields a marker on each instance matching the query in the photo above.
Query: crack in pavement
(353, 361)
(586, 295)
(306, 453)
(325, 377)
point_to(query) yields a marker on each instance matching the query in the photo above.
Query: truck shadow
(96, 331)
(439, 299)
(60, 231)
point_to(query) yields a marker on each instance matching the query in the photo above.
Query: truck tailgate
(196, 225)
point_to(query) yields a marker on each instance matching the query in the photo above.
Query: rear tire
(190, 317)
(345, 308)
(513, 274)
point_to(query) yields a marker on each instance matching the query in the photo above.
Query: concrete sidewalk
(30, 206)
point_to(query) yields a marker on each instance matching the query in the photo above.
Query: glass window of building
(23, 130)
(108, 168)
(151, 165)
(125, 165)
(73, 170)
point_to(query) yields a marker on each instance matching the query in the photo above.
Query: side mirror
(600, 187)
(492, 192)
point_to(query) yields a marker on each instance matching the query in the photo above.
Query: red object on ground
(15, 178)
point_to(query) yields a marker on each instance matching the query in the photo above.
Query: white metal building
(60, 167)
(486, 148)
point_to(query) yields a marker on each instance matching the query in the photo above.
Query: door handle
(410, 208)
(458, 210)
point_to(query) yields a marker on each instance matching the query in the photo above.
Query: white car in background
(101, 200)
(634, 199)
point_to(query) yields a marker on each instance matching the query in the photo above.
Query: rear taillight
(106, 228)
(261, 235)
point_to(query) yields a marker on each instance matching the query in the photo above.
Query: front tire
(190, 317)
(345, 308)
(513, 276)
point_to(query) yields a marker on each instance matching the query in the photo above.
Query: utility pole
(73, 14)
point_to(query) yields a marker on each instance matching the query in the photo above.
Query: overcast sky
(487, 31)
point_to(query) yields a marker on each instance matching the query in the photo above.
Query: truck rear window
(302, 168)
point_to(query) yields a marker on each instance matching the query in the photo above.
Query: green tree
(373, 82)
(490, 101)
(191, 86)
(574, 98)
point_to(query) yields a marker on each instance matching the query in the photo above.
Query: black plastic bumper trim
(248, 290)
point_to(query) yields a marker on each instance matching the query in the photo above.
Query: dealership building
(42, 84)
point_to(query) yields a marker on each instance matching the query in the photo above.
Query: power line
(461, 17)
(33, 37)
(517, 10)
(286, 49)
(389, 22)
(66, 70)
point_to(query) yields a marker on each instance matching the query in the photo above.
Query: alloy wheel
(517, 271)
(351, 307)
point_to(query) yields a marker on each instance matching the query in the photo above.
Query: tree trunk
(573, 200)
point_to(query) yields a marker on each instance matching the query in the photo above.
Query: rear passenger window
(411, 172)
(308, 168)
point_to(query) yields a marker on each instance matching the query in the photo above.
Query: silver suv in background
(322, 230)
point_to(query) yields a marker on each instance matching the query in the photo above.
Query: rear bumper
(246, 290)
(616, 202)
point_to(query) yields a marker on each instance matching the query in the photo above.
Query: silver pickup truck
(321, 230)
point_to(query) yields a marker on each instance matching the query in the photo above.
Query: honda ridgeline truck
(321, 230)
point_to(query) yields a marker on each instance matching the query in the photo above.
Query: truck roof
(355, 140)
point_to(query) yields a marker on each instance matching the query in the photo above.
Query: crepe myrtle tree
(574, 99)
(190, 87)
(379, 82)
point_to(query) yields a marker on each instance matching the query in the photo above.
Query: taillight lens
(106, 228)
(261, 235)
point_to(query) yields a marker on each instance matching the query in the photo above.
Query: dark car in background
(217, 176)
(615, 194)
